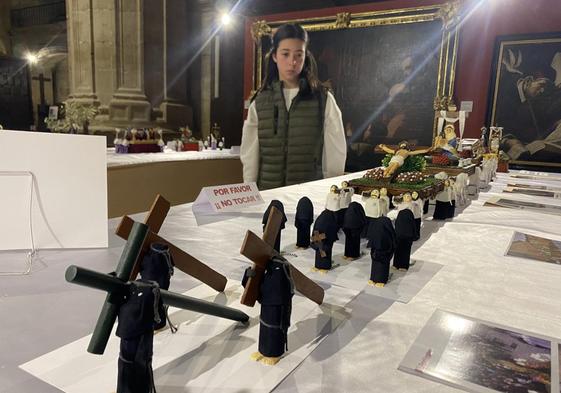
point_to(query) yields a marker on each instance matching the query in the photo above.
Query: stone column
(129, 103)
(81, 51)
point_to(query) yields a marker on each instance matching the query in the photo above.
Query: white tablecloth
(363, 354)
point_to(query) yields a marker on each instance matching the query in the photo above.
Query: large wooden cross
(182, 260)
(317, 240)
(260, 251)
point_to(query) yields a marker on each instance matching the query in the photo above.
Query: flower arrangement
(76, 118)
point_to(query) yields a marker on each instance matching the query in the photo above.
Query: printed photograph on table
(526, 97)
(523, 205)
(533, 187)
(530, 191)
(477, 356)
(536, 177)
(535, 247)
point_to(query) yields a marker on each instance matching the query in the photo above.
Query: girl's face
(290, 56)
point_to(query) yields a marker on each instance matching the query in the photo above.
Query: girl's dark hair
(310, 69)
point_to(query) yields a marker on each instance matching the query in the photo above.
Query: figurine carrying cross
(182, 260)
(317, 240)
(272, 281)
(117, 284)
(136, 304)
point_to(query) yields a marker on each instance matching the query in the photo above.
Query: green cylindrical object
(202, 306)
(105, 282)
(108, 313)
(89, 278)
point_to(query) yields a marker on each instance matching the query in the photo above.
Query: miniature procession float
(402, 172)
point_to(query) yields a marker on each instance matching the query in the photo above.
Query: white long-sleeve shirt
(334, 143)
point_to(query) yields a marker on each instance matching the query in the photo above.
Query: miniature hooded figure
(137, 317)
(278, 204)
(303, 221)
(405, 234)
(157, 265)
(275, 296)
(353, 225)
(326, 225)
(382, 238)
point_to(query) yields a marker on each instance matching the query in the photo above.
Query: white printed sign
(216, 202)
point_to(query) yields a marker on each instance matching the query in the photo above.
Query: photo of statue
(526, 100)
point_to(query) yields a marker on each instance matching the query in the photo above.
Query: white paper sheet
(401, 287)
(206, 354)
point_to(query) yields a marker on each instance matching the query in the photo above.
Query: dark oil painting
(384, 79)
(526, 97)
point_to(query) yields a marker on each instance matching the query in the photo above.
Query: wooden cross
(182, 260)
(260, 252)
(317, 240)
(41, 78)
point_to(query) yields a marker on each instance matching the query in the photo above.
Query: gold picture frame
(444, 19)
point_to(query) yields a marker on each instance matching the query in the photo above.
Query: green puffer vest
(290, 143)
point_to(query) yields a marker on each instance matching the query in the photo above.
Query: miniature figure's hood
(278, 204)
(354, 216)
(381, 235)
(327, 223)
(405, 224)
(305, 211)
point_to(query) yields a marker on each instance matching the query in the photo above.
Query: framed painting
(389, 70)
(525, 97)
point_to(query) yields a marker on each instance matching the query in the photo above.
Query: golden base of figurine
(376, 284)
(269, 361)
(302, 248)
(349, 258)
(322, 271)
(401, 269)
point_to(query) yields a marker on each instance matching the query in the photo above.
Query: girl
(294, 131)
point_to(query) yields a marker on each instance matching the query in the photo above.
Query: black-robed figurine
(405, 234)
(137, 318)
(157, 265)
(353, 224)
(278, 204)
(382, 241)
(275, 296)
(303, 221)
(325, 224)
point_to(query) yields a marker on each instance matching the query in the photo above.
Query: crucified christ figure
(399, 155)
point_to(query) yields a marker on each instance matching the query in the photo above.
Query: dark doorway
(15, 100)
